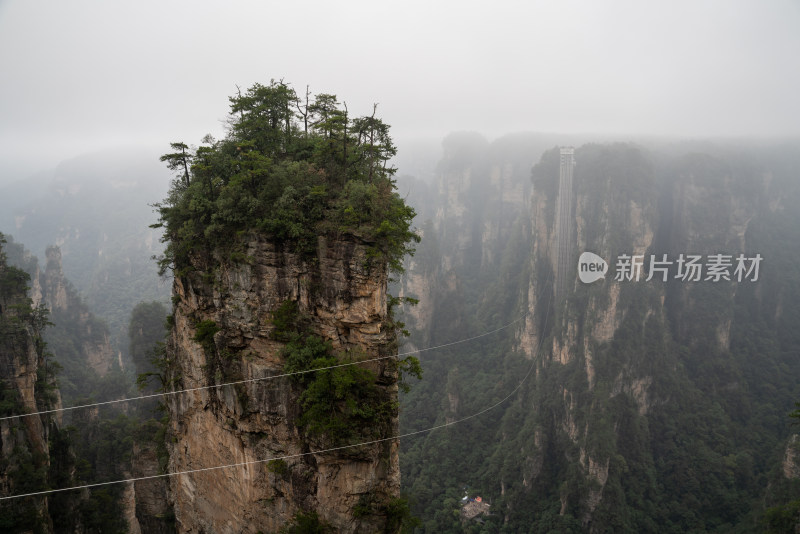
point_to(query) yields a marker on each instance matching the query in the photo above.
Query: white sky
(83, 74)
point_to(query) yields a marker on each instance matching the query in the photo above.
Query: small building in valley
(472, 508)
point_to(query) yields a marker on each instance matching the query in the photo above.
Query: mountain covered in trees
(625, 406)
(649, 406)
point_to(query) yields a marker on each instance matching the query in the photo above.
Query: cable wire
(324, 451)
(282, 375)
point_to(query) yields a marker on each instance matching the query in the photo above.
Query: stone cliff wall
(52, 287)
(343, 294)
(24, 441)
(692, 214)
(621, 370)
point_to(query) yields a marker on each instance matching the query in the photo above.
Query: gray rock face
(24, 441)
(343, 294)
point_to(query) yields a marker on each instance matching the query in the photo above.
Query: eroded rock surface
(343, 295)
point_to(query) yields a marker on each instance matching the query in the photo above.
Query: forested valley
(625, 406)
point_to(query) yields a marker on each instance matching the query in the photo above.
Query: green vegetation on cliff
(299, 199)
(670, 420)
(292, 169)
(34, 455)
(89, 447)
(340, 401)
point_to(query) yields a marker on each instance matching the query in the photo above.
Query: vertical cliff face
(27, 385)
(611, 218)
(149, 508)
(78, 338)
(62, 300)
(651, 405)
(624, 360)
(24, 441)
(341, 294)
(471, 214)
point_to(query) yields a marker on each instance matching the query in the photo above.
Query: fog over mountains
(301, 140)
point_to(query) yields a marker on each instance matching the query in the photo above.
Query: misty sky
(80, 75)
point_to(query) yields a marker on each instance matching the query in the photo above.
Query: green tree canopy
(292, 169)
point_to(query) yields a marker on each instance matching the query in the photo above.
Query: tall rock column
(224, 331)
